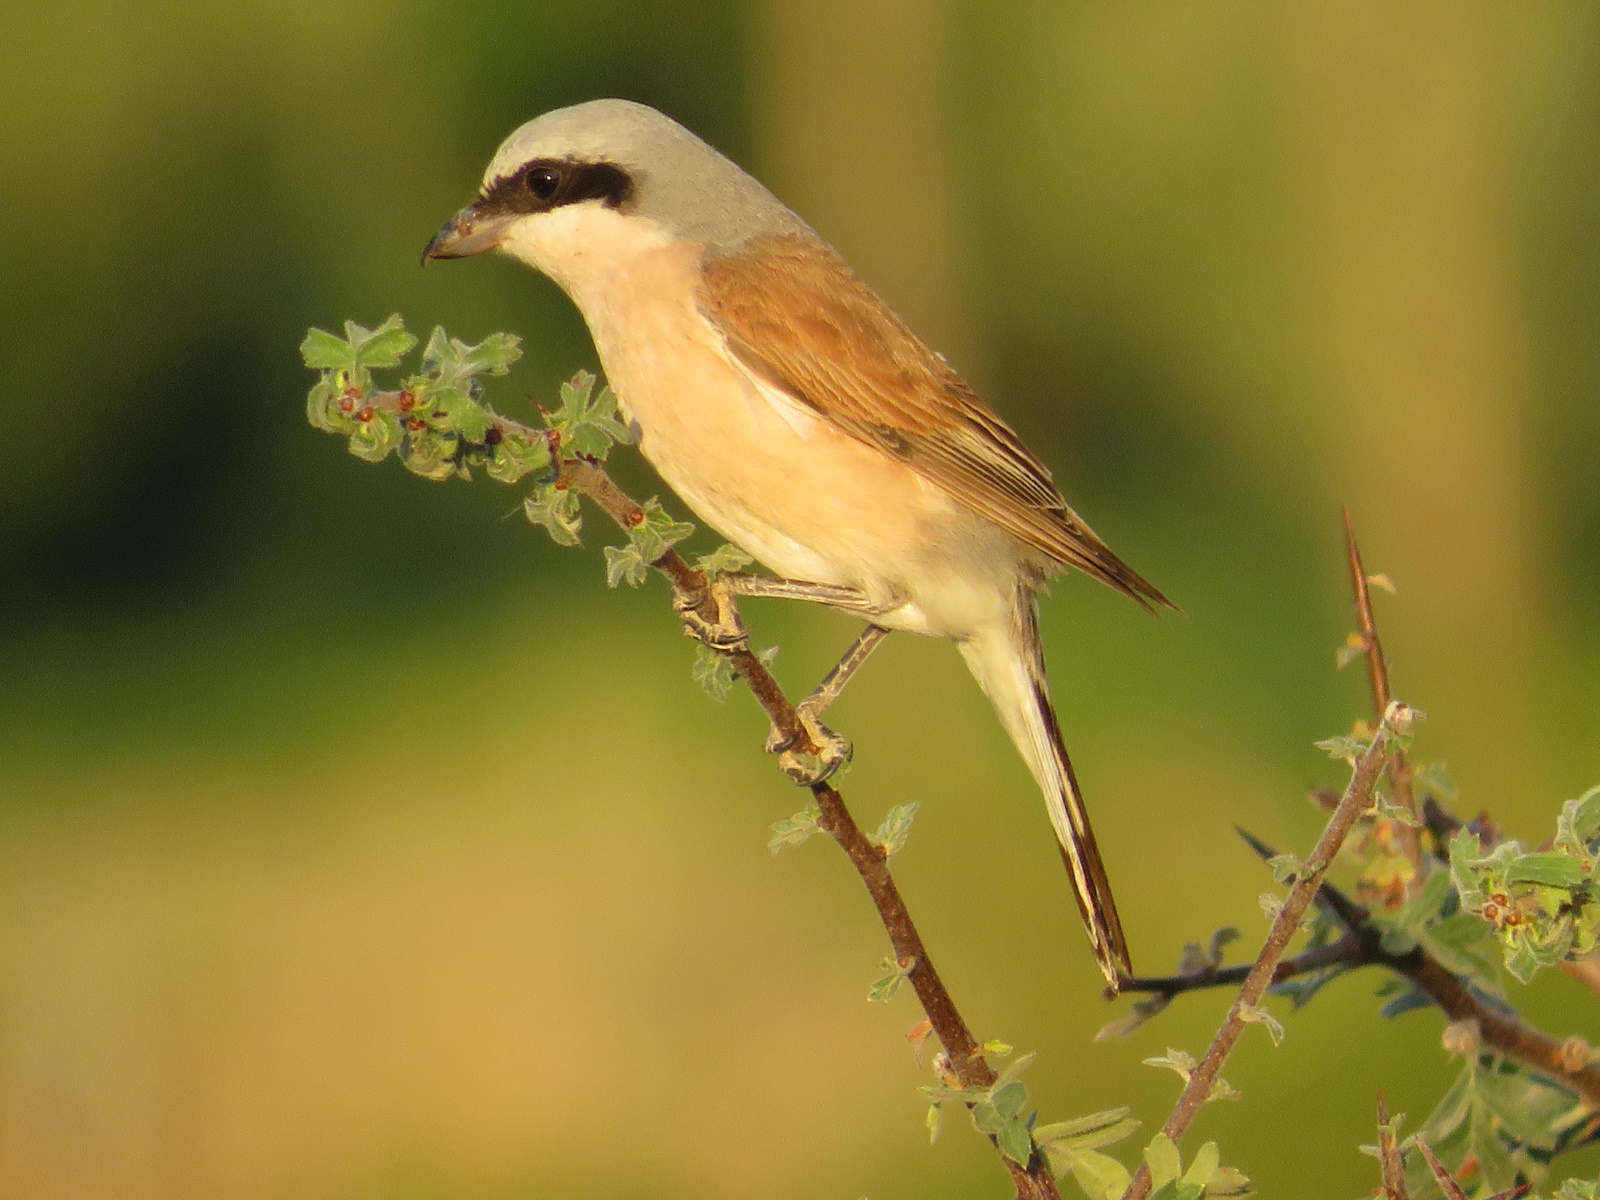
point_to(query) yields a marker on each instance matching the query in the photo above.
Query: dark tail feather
(1010, 667)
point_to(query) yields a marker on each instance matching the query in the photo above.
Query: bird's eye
(543, 182)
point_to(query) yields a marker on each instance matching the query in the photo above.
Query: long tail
(1009, 665)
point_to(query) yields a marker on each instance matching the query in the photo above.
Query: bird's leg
(835, 750)
(846, 598)
(826, 692)
(724, 631)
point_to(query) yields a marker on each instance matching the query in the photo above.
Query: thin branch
(691, 593)
(1446, 1181)
(1357, 796)
(1361, 945)
(1348, 951)
(1378, 681)
(1394, 1176)
(967, 1064)
(1498, 1028)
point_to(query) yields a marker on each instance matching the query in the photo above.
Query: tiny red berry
(364, 415)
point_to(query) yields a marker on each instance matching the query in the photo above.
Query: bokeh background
(357, 842)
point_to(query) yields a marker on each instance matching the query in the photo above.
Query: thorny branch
(691, 593)
(1357, 796)
(1361, 945)
(966, 1062)
(1378, 680)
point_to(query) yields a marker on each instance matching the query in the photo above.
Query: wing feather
(797, 316)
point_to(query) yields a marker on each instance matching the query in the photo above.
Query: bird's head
(607, 168)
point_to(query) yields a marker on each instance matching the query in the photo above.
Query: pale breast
(805, 498)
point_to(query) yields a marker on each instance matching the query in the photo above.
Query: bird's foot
(809, 769)
(721, 631)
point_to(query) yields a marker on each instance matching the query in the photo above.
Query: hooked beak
(469, 232)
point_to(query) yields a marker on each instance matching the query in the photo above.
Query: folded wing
(796, 315)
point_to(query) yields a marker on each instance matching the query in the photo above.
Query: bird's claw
(723, 631)
(809, 769)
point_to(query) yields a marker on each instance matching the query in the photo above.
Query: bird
(797, 414)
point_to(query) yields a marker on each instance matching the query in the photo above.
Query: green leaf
(1464, 851)
(932, 1121)
(1422, 907)
(1344, 746)
(1161, 1156)
(986, 1119)
(515, 456)
(1464, 944)
(791, 831)
(1384, 807)
(624, 564)
(1221, 1089)
(430, 453)
(1014, 1142)
(1099, 1175)
(384, 346)
(724, 558)
(1586, 820)
(896, 973)
(1140, 1011)
(557, 509)
(452, 363)
(323, 351)
(1260, 1013)
(1550, 867)
(1008, 1100)
(375, 439)
(712, 671)
(450, 409)
(1227, 1182)
(1527, 1105)
(1285, 867)
(891, 835)
(1206, 1161)
(1013, 1070)
(1088, 1133)
(1180, 1061)
(323, 411)
(656, 532)
(588, 422)
(497, 352)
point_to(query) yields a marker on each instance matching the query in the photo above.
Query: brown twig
(1378, 681)
(691, 593)
(1033, 1181)
(1394, 1176)
(1446, 1181)
(1357, 796)
(1348, 951)
(1361, 945)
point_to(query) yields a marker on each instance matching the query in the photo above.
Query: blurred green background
(357, 842)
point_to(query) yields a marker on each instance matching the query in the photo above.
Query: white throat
(589, 249)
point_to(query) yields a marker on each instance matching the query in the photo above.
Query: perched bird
(798, 415)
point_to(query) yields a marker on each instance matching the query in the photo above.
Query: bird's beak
(471, 231)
